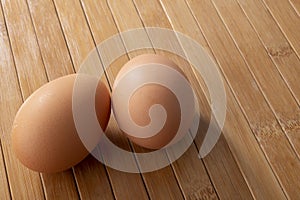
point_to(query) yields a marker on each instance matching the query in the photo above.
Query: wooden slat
(243, 146)
(6, 66)
(288, 21)
(80, 43)
(161, 183)
(99, 16)
(296, 6)
(58, 63)
(263, 123)
(253, 157)
(60, 185)
(64, 189)
(275, 43)
(4, 185)
(51, 41)
(203, 188)
(126, 185)
(232, 183)
(24, 183)
(236, 130)
(92, 180)
(247, 41)
(24, 46)
(102, 27)
(267, 76)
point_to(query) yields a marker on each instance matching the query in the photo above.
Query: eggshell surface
(44, 136)
(146, 96)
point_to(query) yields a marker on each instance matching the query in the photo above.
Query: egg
(136, 113)
(44, 136)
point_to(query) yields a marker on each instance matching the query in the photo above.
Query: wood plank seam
(76, 183)
(258, 83)
(14, 62)
(130, 142)
(283, 78)
(63, 181)
(143, 25)
(205, 165)
(279, 25)
(72, 63)
(240, 106)
(282, 124)
(235, 160)
(194, 143)
(61, 28)
(44, 186)
(73, 58)
(110, 87)
(284, 51)
(36, 38)
(204, 93)
(206, 170)
(295, 8)
(4, 165)
(2, 131)
(167, 17)
(22, 97)
(131, 145)
(48, 79)
(131, 56)
(266, 127)
(87, 22)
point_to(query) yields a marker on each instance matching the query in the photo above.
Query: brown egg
(138, 106)
(44, 137)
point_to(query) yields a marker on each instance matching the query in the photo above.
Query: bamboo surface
(256, 46)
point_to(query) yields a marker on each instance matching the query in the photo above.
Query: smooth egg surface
(44, 136)
(146, 96)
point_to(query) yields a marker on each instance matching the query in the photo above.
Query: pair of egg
(44, 135)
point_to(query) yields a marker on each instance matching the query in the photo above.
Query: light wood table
(256, 45)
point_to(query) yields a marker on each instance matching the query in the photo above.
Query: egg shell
(146, 96)
(44, 137)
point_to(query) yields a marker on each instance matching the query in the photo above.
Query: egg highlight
(152, 101)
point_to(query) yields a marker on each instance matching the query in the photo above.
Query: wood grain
(24, 183)
(233, 121)
(92, 180)
(6, 65)
(4, 185)
(232, 181)
(186, 176)
(180, 20)
(161, 183)
(24, 46)
(246, 40)
(252, 171)
(80, 43)
(288, 21)
(222, 174)
(57, 63)
(256, 47)
(296, 6)
(275, 43)
(51, 40)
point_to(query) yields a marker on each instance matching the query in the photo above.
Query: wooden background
(256, 44)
